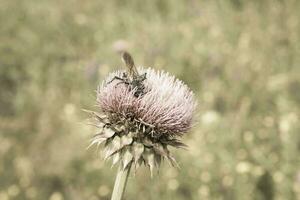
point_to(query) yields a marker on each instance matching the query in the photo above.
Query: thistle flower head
(139, 129)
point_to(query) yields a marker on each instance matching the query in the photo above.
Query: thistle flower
(139, 130)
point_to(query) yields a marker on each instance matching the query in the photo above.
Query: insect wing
(127, 59)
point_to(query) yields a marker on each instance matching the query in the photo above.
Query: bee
(131, 77)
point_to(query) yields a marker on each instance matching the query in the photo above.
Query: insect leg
(143, 77)
(115, 78)
(123, 81)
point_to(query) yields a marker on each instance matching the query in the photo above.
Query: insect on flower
(131, 77)
(140, 131)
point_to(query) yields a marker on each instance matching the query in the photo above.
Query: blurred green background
(241, 58)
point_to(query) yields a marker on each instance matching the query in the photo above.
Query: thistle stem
(120, 182)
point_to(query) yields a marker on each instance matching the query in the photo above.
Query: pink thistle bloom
(139, 128)
(168, 104)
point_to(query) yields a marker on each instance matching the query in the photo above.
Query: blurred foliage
(240, 57)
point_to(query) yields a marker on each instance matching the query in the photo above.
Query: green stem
(120, 182)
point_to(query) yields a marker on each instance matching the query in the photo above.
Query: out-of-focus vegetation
(240, 57)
